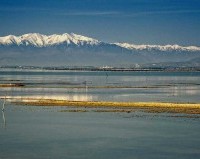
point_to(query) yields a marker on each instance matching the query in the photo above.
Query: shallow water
(45, 132)
(103, 86)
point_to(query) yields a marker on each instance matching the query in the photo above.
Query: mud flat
(151, 107)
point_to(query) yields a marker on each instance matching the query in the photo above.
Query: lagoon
(52, 132)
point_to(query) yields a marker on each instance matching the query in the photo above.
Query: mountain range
(76, 50)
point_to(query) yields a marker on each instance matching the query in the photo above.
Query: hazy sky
(133, 21)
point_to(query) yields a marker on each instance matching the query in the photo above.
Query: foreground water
(103, 86)
(45, 132)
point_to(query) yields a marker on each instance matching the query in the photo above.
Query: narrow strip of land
(156, 107)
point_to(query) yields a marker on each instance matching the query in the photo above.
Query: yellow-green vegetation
(153, 107)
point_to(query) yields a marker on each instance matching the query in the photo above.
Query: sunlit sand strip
(153, 107)
(60, 102)
(107, 104)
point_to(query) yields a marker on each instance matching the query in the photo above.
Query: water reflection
(73, 97)
(184, 90)
(71, 94)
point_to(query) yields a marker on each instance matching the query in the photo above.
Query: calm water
(48, 133)
(93, 86)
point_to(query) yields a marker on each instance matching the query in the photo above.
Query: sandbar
(151, 107)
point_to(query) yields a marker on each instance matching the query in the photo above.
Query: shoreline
(24, 85)
(103, 69)
(151, 107)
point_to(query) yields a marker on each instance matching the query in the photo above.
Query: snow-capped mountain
(77, 50)
(39, 40)
(158, 47)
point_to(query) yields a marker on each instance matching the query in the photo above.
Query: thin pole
(4, 102)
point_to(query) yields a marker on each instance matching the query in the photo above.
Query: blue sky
(133, 21)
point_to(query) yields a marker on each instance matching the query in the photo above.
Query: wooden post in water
(3, 108)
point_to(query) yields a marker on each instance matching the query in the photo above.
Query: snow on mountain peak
(40, 40)
(158, 47)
